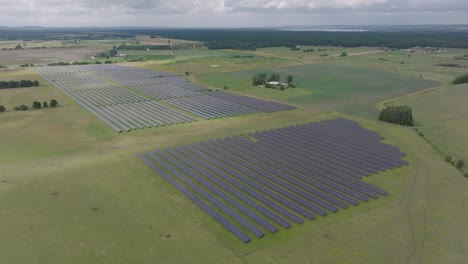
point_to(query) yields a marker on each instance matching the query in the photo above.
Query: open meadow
(72, 190)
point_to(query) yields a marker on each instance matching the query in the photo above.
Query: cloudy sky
(230, 13)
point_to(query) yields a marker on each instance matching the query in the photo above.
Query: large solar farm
(128, 98)
(273, 178)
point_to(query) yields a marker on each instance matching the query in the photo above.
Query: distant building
(275, 83)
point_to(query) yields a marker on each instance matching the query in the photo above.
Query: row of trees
(461, 79)
(401, 115)
(252, 39)
(143, 47)
(18, 84)
(35, 105)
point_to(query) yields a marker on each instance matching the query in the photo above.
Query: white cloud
(226, 12)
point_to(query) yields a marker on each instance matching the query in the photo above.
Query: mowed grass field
(329, 87)
(442, 115)
(72, 191)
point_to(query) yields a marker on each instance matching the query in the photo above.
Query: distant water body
(326, 29)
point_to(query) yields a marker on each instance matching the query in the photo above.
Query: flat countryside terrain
(57, 202)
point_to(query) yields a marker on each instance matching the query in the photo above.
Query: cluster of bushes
(343, 54)
(18, 84)
(308, 50)
(382, 59)
(401, 115)
(27, 65)
(35, 105)
(459, 164)
(2, 66)
(454, 65)
(461, 79)
(323, 55)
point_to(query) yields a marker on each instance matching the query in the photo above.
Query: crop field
(316, 181)
(73, 191)
(197, 53)
(444, 121)
(329, 87)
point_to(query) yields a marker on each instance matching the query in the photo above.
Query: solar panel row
(262, 105)
(282, 175)
(119, 108)
(209, 107)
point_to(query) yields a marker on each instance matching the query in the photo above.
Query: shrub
(460, 164)
(36, 105)
(2, 108)
(225, 87)
(44, 104)
(343, 54)
(21, 107)
(461, 79)
(448, 159)
(466, 174)
(421, 134)
(53, 103)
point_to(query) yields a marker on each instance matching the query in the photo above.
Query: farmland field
(72, 190)
(329, 87)
(197, 53)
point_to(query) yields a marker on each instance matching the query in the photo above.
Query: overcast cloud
(230, 13)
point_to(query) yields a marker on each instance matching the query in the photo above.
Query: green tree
(22, 107)
(2, 108)
(461, 79)
(36, 105)
(343, 54)
(274, 77)
(289, 79)
(401, 115)
(460, 164)
(44, 104)
(53, 103)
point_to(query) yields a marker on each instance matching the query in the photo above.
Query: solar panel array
(120, 108)
(262, 105)
(257, 184)
(96, 86)
(210, 107)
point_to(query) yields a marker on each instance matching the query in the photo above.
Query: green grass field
(197, 53)
(72, 191)
(329, 87)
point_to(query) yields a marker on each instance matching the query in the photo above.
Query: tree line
(18, 84)
(400, 115)
(36, 105)
(143, 47)
(251, 39)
